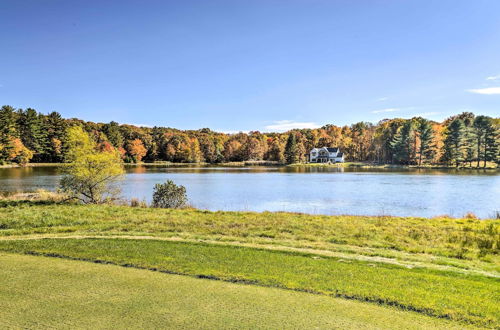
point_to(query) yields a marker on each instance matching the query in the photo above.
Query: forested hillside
(30, 136)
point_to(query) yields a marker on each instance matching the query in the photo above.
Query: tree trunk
(478, 150)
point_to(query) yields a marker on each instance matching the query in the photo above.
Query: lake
(399, 192)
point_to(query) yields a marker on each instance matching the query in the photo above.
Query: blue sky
(250, 65)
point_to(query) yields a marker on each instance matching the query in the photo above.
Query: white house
(326, 155)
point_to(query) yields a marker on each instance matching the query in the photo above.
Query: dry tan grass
(38, 195)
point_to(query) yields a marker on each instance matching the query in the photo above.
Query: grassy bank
(459, 240)
(43, 292)
(13, 165)
(346, 165)
(435, 293)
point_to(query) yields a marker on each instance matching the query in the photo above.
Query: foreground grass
(441, 267)
(43, 292)
(462, 243)
(467, 298)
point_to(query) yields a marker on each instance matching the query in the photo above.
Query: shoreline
(393, 166)
(48, 197)
(365, 165)
(159, 164)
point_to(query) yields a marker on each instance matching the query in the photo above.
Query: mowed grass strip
(471, 239)
(39, 292)
(450, 295)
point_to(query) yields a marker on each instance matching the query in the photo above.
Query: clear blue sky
(250, 65)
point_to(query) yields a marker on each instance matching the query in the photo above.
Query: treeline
(30, 136)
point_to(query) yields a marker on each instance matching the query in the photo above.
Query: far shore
(489, 165)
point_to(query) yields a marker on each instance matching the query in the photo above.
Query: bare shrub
(135, 202)
(470, 215)
(39, 195)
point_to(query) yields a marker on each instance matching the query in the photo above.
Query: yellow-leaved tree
(91, 176)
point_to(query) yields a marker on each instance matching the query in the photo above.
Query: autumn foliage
(19, 153)
(460, 139)
(136, 150)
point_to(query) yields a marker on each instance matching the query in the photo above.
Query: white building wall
(331, 155)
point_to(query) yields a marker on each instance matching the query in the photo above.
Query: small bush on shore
(135, 202)
(470, 215)
(169, 195)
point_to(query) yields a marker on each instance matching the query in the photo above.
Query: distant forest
(27, 135)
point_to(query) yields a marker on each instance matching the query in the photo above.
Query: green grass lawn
(468, 244)
(441, 267)
(38, 292)
(467, 298)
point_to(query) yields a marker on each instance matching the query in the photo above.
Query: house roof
(328, 149)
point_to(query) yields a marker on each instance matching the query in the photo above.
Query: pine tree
(469, 138)
(490, 143)
(426, 135)
(30, 129)
(403, 143)
(470, 144)
(55, 130)
(481, 126)
(291, 150)
(112, 131)
(8, 131)
(454, 142)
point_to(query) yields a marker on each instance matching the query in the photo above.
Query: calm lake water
(424, 193)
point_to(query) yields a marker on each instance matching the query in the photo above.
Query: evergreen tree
(454, 142)
(490, 143)
(291, 149)
(469, 138)
(30, 128)
(112, 131)
(480, 125)
(470, 144)
(8, 131)
(426, 135)
(55, 131)
(403, 143)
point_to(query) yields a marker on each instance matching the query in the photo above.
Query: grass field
(37, 292)
(434, 293)
(462, 243)
(443, 267)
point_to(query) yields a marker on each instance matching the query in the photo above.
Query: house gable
(325, 155)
